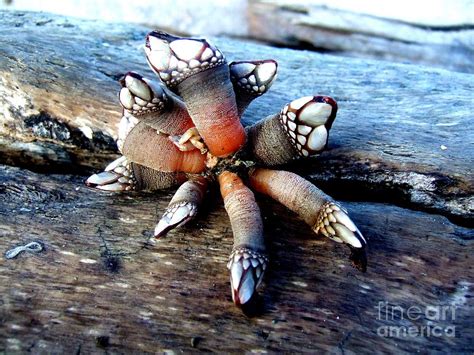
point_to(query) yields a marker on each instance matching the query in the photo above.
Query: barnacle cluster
(184, 130)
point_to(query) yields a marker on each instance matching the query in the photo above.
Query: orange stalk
(210, 100)
(243, 212)
(198, 72)
(247, 262)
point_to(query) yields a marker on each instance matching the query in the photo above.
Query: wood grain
(100, 287)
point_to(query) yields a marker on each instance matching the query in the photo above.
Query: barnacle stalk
(248, 260)
(161, 153)
(317, 209)
(152, 180)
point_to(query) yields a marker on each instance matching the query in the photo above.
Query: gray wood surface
(99, 286)
(98, 280)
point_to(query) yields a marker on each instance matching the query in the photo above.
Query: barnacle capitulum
(307, 122)
(175, 58)
(138, 97)
(246, 269)
(300, 129)
(251, 79)
(185, 131)
(117, 176)
(184, 205)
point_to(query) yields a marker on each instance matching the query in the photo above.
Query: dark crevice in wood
(454, 28)
(299, 44)
(355, 189)
(362, 191)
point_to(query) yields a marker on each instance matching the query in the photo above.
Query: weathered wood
(436, 33)
(99, 285)
(403, 133)
(359, 32)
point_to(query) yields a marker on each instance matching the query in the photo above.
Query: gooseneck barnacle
(185, 131)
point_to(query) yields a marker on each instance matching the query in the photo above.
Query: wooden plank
(99, 287)
(402, 134)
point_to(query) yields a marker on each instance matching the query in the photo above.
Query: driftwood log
(441, 34)
(352, 30)
(402, 142)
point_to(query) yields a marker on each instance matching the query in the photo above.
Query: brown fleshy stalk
(317, 209)
(268, 142)
(122, 175)
(183, 207)
(145, 147)
(251, 79)
(301, 129)
(198, 72)
(247, 261)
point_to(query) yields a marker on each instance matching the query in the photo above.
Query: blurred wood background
(400, 31)
(441, 34)
(401, 150)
